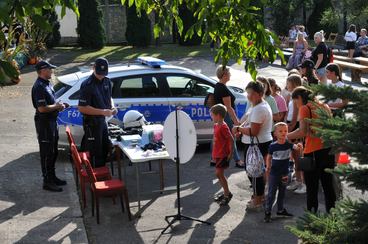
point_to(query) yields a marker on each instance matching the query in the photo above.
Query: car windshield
(60, 88)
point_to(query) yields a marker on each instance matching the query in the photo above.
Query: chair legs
(83, 191)
(126, 199)
(121, 202)
(93, 203)
(97, 209)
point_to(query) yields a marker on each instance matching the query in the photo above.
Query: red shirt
(222, 141)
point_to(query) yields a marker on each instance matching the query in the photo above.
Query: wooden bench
(356, 69)
(342, 58)
(362, 60)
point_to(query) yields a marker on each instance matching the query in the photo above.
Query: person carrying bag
(319, 157)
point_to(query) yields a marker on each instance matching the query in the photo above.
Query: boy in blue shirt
(277, 170)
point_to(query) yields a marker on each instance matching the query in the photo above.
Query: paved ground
(30, 215)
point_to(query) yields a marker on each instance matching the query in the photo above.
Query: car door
(189, 92)
(145, 93)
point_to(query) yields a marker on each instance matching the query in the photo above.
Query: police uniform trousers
(48, 137)
(96, 139)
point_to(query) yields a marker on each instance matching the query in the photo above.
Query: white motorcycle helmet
(133, 119)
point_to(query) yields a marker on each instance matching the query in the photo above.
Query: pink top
(281, 103)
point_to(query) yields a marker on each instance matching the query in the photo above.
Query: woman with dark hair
(258, 126)
(269, 99)
(350, 38)
(314, 149)
(308, 72)
(333, 73)
(280, 100)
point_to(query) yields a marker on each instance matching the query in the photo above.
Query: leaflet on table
(130, 140)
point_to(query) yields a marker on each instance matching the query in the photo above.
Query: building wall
(68, 26)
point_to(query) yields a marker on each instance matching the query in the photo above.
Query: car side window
(183, 86)
(133, 87)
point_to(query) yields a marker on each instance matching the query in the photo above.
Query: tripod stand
(178, 216)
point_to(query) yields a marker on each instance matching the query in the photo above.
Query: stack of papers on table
(130, 140)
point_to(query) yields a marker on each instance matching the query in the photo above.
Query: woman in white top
(350, 38)
(257, 124)
(333, 73)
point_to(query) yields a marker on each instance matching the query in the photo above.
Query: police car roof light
(152, 62)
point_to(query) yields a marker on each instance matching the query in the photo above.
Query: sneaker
(226, 199)
(218, 197)
(212, 164)
(293, 185)
(302, 189)
(284, 213)
(267, 218)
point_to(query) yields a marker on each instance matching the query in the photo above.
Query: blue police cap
(43, 64)
(102, 66)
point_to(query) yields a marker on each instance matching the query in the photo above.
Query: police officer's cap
(43, 64)
(102, 66)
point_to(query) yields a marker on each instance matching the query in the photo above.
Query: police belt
(93, 119)
(46, 116)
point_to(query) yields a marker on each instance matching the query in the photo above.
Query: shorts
(321, 71)
(350, 45)
(222, 163)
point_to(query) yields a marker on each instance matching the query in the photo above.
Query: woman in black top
(320, 56)
(224, 96)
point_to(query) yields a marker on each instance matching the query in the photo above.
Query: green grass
(125, 53)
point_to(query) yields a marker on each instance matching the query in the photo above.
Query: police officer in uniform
(47, 110)
(95, 103)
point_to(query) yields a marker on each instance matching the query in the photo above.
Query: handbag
(255, 165)
(209, 101)
(307, 164)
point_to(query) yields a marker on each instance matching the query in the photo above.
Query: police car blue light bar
(150, 61)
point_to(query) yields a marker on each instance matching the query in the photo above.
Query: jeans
(230, 123)
(323, 161)
(275, 183)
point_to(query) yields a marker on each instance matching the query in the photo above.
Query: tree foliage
(236, 24)
(347, 223)
(18, 11)
(90, 25)
(138, 32)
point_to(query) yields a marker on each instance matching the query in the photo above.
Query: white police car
(150, 87)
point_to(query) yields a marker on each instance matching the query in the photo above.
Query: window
(132, 87)
(182, 86)
(60, 89)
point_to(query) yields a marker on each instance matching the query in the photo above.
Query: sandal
(225, 200)
(218, 197)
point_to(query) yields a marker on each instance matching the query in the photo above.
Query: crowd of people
(277, 121)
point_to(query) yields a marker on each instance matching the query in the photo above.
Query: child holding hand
(277, 170)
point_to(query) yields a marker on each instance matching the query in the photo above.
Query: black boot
(58, 181)
(50, 185)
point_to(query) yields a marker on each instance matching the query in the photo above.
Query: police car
(151, 87)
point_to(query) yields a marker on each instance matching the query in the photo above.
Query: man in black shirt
(95, 103)
(47, 110)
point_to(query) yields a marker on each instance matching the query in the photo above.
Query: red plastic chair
(101, 173)
(107, 188)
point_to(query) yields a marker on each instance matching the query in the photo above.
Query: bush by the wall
(90, 26)
(138, 32)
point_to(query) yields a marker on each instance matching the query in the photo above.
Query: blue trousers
(275, 183)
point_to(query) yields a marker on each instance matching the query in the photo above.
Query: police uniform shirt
(96, 93)
(43, 94)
